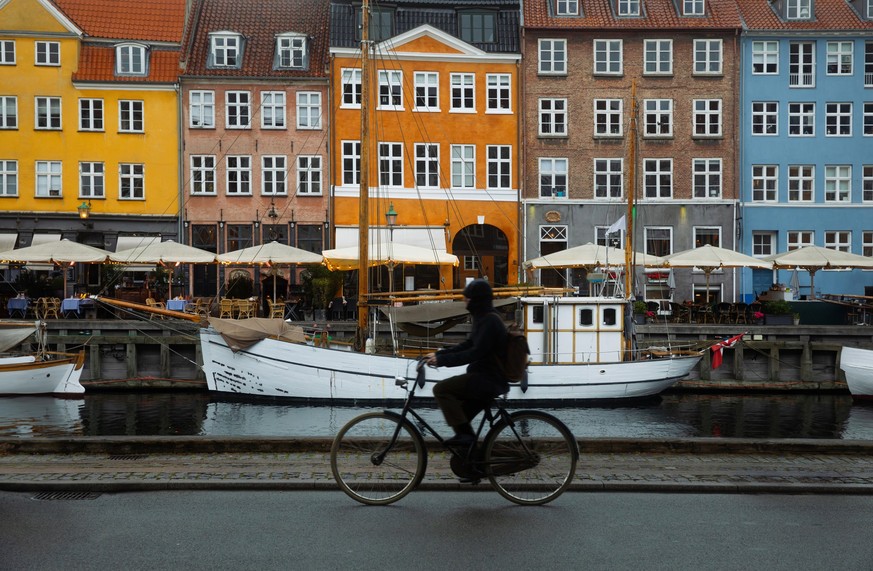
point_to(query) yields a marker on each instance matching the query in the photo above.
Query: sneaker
(462, 439)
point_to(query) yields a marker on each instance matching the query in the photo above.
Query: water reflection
(670, 416)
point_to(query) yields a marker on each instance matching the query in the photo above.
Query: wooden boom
(149, 309)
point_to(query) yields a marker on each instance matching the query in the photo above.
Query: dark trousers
(462, 397)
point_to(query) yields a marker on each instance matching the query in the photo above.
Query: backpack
(516, 355)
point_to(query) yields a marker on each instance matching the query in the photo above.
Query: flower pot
(778, 319)
(640, 318)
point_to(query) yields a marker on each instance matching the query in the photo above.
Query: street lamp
(391, 221)
(84, 210)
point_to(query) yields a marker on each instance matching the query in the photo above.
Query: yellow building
(444, 140)
(89, 114)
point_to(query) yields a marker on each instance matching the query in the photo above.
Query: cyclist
(464, 396)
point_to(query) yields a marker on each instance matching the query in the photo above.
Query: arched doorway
(483, 252)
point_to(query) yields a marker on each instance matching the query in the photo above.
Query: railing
(801, 80)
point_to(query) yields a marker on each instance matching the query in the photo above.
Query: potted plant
(640, 309)
(778, 312)
(796, 319)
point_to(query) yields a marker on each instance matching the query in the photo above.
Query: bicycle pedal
(474, 481)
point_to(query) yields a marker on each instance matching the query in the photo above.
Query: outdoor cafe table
(74, 306)
(177, 304)
(17, 306)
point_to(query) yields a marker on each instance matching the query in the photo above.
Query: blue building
(806, 137)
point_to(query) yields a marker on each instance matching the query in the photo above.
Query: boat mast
(631, 194)
(364, 195)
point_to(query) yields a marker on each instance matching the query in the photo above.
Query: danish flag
(718, 347)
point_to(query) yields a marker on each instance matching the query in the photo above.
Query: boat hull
(32, 376)
(273, 368)
(857, 364)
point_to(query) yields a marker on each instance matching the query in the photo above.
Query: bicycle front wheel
(369, 467)
(532, 459)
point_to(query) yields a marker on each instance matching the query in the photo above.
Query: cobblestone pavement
(822, 468)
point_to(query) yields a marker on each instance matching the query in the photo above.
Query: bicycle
(528, 456)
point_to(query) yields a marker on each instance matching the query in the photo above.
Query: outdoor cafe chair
(151, 302)
(277, 309)
(225, 308)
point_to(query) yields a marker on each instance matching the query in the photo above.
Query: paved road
(209, 530)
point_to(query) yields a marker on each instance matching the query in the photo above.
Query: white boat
(38, 373)
(857, 364)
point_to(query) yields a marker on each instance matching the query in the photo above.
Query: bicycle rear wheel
(531, 460)
(367, 469)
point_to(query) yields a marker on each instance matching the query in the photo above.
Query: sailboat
(36, 373)
(579, 345)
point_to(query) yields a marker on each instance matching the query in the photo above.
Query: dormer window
(131, 59)
(693, 7)
(292, 52)
(570, 7)
(381, 23)
(478, 27)
(628, 7)
(225, 50)
(798, 10)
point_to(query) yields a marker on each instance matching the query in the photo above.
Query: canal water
(672, 415)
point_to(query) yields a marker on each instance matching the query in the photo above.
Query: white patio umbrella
(710, 258)
(387, 254)
(59, 252)
(167, 252)
(269, 254)
(814, 258)
(589, 255)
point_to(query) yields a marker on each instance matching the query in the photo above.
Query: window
(763, 243)
(131, 181)
(692, 7)
(765, 179)
(838, 119)
(239, 175)
(628, 7)
(798, 9)
(765, 117)
(607, 57)
(202, 174)
(273, 109)
(7, 52)
(48, 53)
(309, 174)
(351, 162)
(607, 117)
(838, 183)
(839, 58)
(867, 243)
(308, 110)
(9, 112)
(658, 178)
(390, 90)
(797, 239)
(427, 91)
(130, 59)
(801, 119)
(868, 118)
(659, 240)
(239, 109)
(381, 24)
(801, 183)
(391, 164)
(801, 64)
(351, 80)
(90, 114)
(48, 113)
(225, 50)
(608, 181)
(658, 57)
(291, 52)
(707, 57)
(707, 178)
(553, 177)
(273, 175)
(499, 98)
(765, 57)
(499, 167)
(91, 180)
(867, 184)
(658, 117)
(471, 263)
(8, 178)
(553, 117)
(49, 179)
(838, 240)
(202, 109)
(707, 236)
(553, 57)
(463, 166)
(310, 237)
(478, 27)
(567, 8)
(130, 116)
(239, 236)
(707, 117)
(427, 165)
(463, 92)
(868, 62)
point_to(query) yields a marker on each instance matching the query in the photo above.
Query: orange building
(444, 136)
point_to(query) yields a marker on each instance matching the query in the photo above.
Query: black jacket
(482, 349)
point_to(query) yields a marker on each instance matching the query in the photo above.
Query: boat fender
(370, 346)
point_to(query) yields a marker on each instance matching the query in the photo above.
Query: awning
(7, 242)
(128, 242)
(430, 238)
(43, 239)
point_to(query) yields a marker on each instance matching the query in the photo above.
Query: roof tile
(145, 20)
(829, 15)
(97, 63)
(657, 15)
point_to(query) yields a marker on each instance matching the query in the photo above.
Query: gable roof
(656, 15)
(145, 20)
(97, 63)
(259, 22)
(759, 15)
